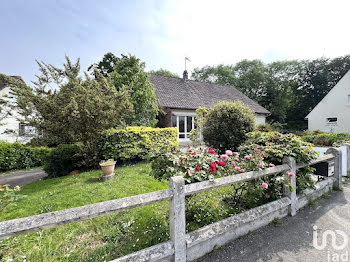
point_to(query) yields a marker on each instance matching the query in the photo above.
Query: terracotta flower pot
(108, 169)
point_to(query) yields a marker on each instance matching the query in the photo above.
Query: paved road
(20, 178)
(293, 240)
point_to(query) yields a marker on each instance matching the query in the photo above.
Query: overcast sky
(163, 32)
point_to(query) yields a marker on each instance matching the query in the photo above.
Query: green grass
(110, 236)
(96, 239)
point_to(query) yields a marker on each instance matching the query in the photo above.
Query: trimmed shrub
(136, 142)
(18, 156)
(63, 159)
(226, 124)
(42, 141)
(325, 139)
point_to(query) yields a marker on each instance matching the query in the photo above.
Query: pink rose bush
(204, 163)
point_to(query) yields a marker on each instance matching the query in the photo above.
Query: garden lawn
(107, 237)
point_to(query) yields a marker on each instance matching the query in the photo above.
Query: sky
(162, 32)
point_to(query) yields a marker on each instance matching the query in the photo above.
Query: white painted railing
(182, 246)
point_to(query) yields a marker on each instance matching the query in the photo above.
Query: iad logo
(333, 236)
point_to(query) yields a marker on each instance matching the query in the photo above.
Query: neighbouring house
(11, 130)
(332, 114)
(180, 97)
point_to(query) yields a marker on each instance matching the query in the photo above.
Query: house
(11, 130)
(332, 113)
(180, 97)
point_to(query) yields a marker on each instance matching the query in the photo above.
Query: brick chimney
(185, 75)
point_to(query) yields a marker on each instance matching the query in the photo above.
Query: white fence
(182, 246)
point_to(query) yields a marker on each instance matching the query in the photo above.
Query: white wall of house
(260, 119)
(11, 123)
(332, 114)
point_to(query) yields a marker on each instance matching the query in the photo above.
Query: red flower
(222, 163)
(212, 167)
(197, 168)
(211, 151)
(166, 166)
(187, 174)
(181, 160)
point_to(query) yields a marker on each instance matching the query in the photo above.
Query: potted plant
(107, 167)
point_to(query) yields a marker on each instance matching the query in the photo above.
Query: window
(184, 124)
(332, 120)
(26, 130)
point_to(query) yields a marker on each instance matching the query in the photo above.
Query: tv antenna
(187, 59)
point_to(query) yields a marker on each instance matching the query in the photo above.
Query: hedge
(64, 159)
(137, 143)
(326, 139)
(18, 156)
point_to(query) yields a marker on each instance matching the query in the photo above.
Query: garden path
(22, 177)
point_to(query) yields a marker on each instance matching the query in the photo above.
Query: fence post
(292, 210)
(337, 165)
(177, 218)
(347, 146)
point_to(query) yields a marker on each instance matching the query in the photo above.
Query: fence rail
(176, 247)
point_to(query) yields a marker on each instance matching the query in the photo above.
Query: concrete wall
(335, 104)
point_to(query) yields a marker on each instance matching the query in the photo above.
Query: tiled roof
(177, 93)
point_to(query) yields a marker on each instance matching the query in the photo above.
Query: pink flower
(271, 165)
(256, 149)
(166, 166)
(259, 165)
(228, 152)
(233, 163)
(237, 168)
(264, 185)
(224, 156)
(235, 153)
(236, 159)
(242, 170)
(262, 153)
(291, 174)
(248, 157)
(211, 151)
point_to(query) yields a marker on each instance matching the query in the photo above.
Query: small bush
(137, 143)
(42, 141)
(325, 139)
(18, 156)
(63, 159)
(226, 124)
(276, 146)
(263, 128)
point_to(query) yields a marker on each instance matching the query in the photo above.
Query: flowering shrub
(276, 146)
(8, 195)
(204, 163)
